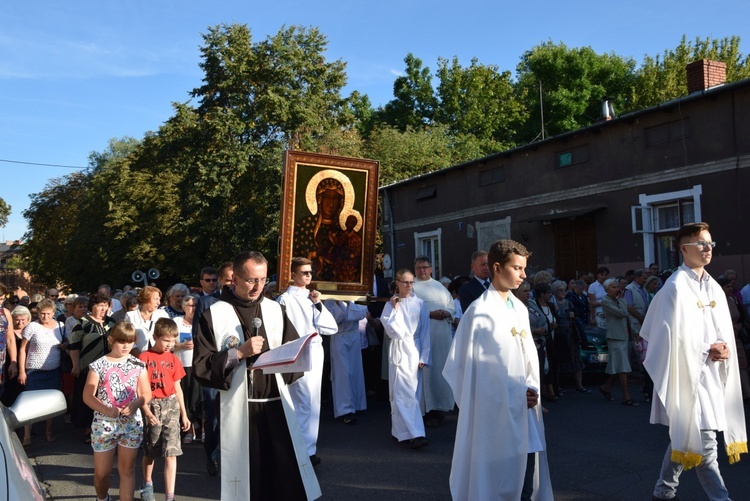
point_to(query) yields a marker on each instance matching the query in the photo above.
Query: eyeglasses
(425, 267)
(53, 295)
(254, 281)
(210, 279)
(405, 283)
(307, 273)
(702, 244)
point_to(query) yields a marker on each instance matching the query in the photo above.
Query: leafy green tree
(574, 82)
(479, 101)
(51, 219)
(415, 101)
(4, 213)
(663, 77)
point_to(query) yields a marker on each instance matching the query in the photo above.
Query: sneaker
(147, 493)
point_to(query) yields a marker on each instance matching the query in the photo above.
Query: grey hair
(21, 311)
(611, 281)
(558, 285)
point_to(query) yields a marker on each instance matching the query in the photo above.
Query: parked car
(18, 482)
(593, 349)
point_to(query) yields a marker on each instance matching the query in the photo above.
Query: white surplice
(437, 393)
(491, 364)
(692, 392)
(407, 326)
(235, 458)
(305, 392)
(347, 375)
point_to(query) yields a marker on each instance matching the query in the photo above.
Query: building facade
(612, 194)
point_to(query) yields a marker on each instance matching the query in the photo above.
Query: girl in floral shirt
(116, 388)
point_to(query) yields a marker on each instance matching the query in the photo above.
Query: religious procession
(145, 374)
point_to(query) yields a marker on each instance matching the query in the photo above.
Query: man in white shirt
(692, 359)
(308, 314)
(596, 294)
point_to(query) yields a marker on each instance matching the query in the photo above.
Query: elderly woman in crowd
(174, 297)
(21, 317)
(39, 357)
(567, 342)
(538, 326)
(618, 366)
(88, 341)
(542, 307)
(184, 351)
(7, 343)
(651, 285)
(145, 317)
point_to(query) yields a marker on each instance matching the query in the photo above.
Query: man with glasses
(692, 359)
(209, 282)
(308, 314)
(53, 295)
(437, 396)
(265, 454)
(210, 420)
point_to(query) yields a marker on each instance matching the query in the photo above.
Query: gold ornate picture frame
(329, 215)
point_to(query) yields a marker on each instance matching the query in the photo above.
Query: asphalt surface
(597, 450)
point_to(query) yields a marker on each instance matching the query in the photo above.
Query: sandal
(27, 443)
(630, 402)
(188, 439)
(606, 394)
(50, 437)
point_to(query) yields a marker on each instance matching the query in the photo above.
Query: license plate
(599, 358)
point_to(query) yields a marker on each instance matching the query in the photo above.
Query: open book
(290, 357)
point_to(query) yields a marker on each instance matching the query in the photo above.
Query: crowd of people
(142, 370)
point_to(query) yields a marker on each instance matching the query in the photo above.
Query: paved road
(598, 450)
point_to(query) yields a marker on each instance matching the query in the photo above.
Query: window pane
(688, 212)
(668, 217)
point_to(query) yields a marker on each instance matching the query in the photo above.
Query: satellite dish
(138, 276)
(153, 274)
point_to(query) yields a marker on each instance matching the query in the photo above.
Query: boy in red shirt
(166, 410)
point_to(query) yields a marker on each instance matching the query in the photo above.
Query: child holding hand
(116, 388)
(165, 413)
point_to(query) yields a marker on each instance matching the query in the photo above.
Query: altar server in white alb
(263, 454)
(692, 359)
(493, 369)
(436, 397)
(406, 322)
(347, 375)
(308, 314)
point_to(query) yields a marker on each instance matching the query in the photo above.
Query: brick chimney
(704, 74)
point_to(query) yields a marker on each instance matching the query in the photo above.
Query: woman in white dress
(407, 323)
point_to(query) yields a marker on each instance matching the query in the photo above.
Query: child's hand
(185, 422)
(152, 419)
(129, 409)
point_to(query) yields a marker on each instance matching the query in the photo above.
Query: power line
(42, 165)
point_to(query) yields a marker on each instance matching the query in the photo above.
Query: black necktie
(487, 283)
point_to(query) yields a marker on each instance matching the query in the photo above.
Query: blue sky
(75, 74)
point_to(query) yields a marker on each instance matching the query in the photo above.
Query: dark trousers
(528, 478)
(211, 416)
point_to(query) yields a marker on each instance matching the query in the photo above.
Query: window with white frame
(428, 244)
(658, 217)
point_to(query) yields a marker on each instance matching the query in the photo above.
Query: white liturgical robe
(491, 364)
(308, 318)
(407, 326)
(437, 393)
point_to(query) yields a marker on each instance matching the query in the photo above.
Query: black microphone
(257, 322)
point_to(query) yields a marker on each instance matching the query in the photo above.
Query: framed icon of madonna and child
(329, 216)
